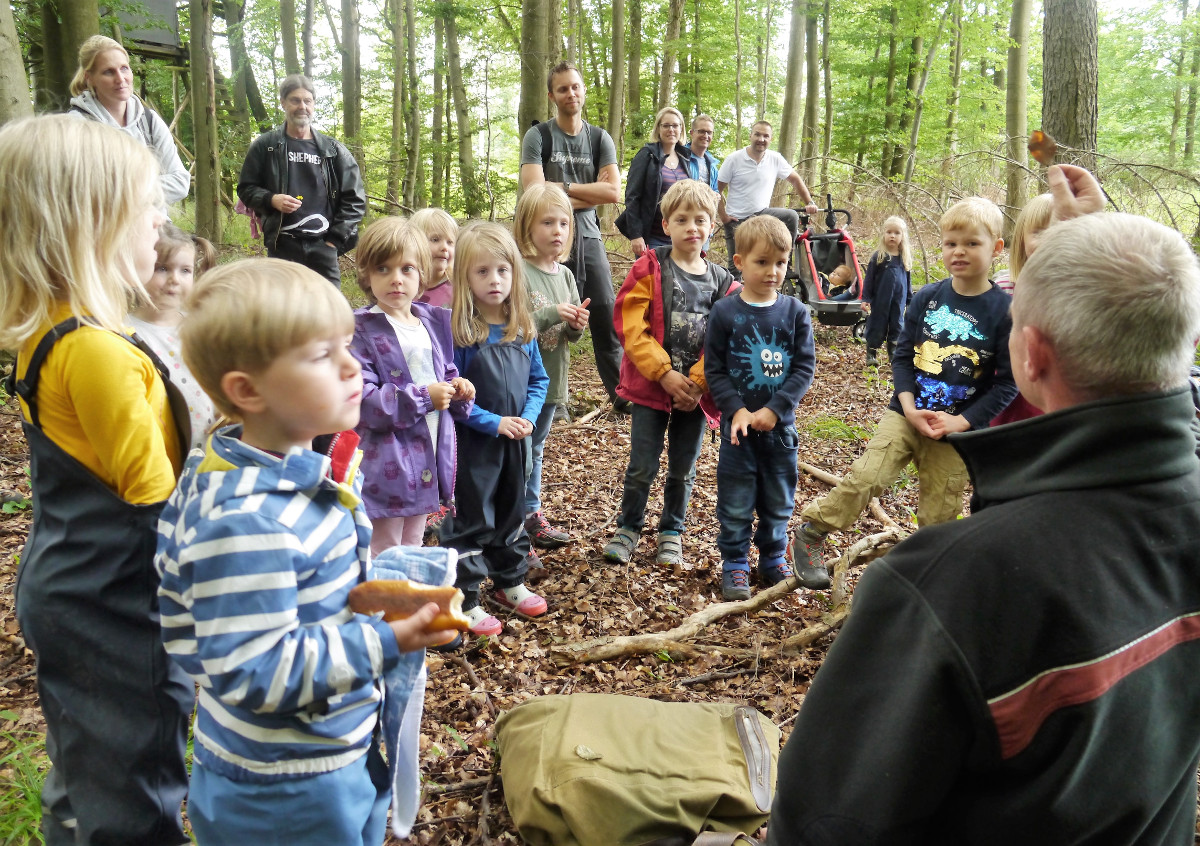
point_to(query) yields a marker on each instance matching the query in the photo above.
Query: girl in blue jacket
(887, 287)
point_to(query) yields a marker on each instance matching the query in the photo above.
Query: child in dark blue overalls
(495, 348)
(78, 227)
(888, 288)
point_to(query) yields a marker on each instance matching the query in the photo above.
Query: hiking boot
(773, 571)
(891, 348)
(483, 624)
(561, 414)
(433, 524)
(735, 580)
(620, 549)
(670, 549)
(806, 558)
(872, 357)
(520, 600)
(543, 534)
(535, 568)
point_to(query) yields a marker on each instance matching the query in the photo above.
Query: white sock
(517, 595)
(476, 615)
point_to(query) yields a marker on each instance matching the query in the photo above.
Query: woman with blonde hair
(664, 161)
(78, 228)
(102, 90)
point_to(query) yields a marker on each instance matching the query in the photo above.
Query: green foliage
(834, 429)
(23, 769)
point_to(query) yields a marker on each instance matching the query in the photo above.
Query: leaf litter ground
(584, 470)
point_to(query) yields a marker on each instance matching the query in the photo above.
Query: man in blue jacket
(701, 138)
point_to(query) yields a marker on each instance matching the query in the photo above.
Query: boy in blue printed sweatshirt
(759, 362)
(258, 549)
(951, 372)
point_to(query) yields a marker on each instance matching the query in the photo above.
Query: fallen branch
(482, 834)
(811, 634)
(587, 418)
(476, 684)
(860, 553)
(458, 787)
(833, 481)
(718, 674)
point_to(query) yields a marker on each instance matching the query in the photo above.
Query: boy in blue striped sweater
(259, 546)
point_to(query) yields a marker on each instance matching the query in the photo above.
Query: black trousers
(313, 253)
(589, 263)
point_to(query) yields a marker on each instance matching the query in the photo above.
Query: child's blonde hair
(171, 239)
(1033, 218)
(388, 237)
(689, 192)
(245, 314)
(436, 222)
(89, 51)
(477, 240)
(74, 194)
(537, 200)
(974, 213)
(758, 229)
(906, 256)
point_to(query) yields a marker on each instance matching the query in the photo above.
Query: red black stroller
(814, 258)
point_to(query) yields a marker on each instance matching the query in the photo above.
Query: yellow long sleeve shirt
(103, 402)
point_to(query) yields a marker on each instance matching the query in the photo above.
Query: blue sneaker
(772, 571)
(735, 580)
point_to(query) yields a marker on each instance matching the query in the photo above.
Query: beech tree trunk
(919, 94)
(352, 84)
(1016, 104)
(287, 36)
(789, 121)
(812, 94)
(1070, 76)
(635, 119)
(466, 156)
(737, 89)
(827, 124)
(436, 188)
(204, 121)
(952, 99)
(14, 85)
(395, 14)
(246, 96)
(889, 122)
(1180, 59)
(534, 38)
(666, 82)
(80, 20)
(412, 107)
(909, 104)
(51, 84)
(306, 34)
(616, 94)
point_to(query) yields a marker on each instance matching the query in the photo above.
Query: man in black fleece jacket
(1029, 674)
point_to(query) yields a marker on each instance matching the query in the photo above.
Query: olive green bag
(602, 770)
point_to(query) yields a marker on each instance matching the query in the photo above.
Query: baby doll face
(172, 280)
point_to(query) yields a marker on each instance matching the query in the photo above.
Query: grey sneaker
(670, 549)
(806, 558)
(620, 549)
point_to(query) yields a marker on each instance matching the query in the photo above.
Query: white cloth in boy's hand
(404, 698)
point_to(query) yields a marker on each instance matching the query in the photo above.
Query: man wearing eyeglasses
(706, 162)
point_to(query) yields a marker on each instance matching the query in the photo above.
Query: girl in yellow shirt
(78, 227)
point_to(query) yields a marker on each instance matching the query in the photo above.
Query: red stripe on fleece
(1019, 714)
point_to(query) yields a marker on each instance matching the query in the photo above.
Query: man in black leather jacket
(304, 185)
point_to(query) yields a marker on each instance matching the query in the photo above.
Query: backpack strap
(26, 388)
(547, 141)
(594, 140)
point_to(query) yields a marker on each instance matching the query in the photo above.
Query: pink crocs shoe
(520, 600)
(483, 624)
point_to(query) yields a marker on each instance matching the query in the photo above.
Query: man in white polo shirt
(748, 177)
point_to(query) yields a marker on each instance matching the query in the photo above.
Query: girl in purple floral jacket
(409, 380)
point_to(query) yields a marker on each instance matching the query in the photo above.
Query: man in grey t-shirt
(583, 162)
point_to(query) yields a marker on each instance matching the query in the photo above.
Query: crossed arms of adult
(583, 195)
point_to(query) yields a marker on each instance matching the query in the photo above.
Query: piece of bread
(401, 598)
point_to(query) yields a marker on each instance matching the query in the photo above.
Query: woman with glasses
(656, 167)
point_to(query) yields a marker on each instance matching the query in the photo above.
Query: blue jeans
(685, 433)
(759, 474)
(533, 474)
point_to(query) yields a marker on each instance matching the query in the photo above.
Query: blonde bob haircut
(1033, 219)
(75, 193)
(690, 193)
(1118, 298)
(432, 222)
(762, 229)
(385, 239)
(536, 201)
(655, 137)
(480, 241)
(881, 253)
(977, 213)
(89, 51)
(245, 314)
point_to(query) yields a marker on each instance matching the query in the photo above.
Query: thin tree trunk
(352, 84)
(666, 83)
(616, 94)
(952, 99)
(462, 114)
(395, 13)
(827, 124)
(919, 101)
(909, 105)
(204, 122)
(1070, 75)
(287, 35)
(812, 93)
(789, 121)
(412, 107)
(14, 85)
(889, 123)
(635, 120)
(737, 88)
(534, 36)
(1177, 104)
(1016, 105)
(554, 47)
(572, 31)
(436, 188)
(246, 95)
(696, 106)
(866, 121)
(51, 83)
(1189, 125)
(306, 34)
